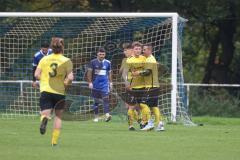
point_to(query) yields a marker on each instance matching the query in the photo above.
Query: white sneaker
(160, 127)
(148, 127)
(95, 120)
(108, 118)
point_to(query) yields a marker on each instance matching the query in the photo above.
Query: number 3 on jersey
(53, 66)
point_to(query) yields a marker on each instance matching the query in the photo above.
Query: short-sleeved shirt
(100, 74)
(136, 64)
(152, 79)
(54, 69)
(39, 55)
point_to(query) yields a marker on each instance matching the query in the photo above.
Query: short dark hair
(101, 50)
(44, 44)
(127, 46)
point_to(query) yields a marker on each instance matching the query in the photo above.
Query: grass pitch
(218, 139)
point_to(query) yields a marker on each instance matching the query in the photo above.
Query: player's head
(127, 49)
(45, 47)
(101, 54)
(57, 45)
(147, 50)
(137, 48)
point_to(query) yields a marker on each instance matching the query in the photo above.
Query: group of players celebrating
(140, 73)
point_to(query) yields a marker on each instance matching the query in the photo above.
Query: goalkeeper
(135, 64)
(55, 73)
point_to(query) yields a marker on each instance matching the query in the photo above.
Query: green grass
(218, 139)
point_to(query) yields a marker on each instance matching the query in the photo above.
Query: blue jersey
(38, 56)
(100, 74)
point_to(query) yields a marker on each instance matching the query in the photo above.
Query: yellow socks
(157, 114)
(136, 115)
(55, 136)
(130, 116)
(146, 114)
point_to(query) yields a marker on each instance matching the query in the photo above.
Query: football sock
(55, 136)
(106, 104)
(130, 117)
(157, 114)
(135, 115)
(145, 113)
(95, 108)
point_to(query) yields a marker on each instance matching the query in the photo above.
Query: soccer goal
(21, 35)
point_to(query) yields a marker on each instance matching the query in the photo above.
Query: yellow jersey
(152, 79)
(136, 64)
(54, 69)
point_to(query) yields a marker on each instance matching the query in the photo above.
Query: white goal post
(87, 31)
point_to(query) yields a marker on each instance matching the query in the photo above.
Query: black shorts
(49, 100)
(134, 96)
(152, 97)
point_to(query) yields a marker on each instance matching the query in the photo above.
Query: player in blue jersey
(99, 78)
(44, 51)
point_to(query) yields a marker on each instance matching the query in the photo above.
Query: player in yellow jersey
(137, 86)
(126, 75)
(152, 87)
(55, 73)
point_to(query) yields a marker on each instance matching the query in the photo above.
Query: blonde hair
(57, 45)
(136, 43)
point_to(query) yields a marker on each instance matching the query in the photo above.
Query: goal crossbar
(85, 14)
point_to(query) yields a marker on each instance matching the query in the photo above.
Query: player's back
(54, 68)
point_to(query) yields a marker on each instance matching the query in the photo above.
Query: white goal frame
(174, 17)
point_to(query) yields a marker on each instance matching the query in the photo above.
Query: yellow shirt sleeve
(69, 66)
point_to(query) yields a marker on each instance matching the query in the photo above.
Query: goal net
(22, 34)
